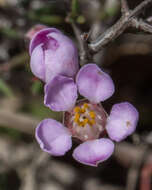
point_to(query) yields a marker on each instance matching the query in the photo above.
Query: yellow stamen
(76, 118)
(83, 110)
(81, 123)
(77, 109)
(92, 122)
(85, 105)
(92, 114)
(85, 121)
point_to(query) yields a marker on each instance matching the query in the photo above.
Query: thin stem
(140, 24)
(142, 5)
(112, 33)
(84, 54)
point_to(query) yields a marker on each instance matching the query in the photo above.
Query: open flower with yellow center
(85, 120)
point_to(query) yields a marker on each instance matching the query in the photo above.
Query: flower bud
(52, 53)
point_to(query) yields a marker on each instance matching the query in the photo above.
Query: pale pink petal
(94, 152)
(122, 121)
(37, 62)
(60, 93)
(53, 137)
(94, 84)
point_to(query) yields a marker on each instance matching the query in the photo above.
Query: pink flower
(52, 53)
(85, 120)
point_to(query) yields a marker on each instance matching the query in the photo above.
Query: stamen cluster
(86, 121)
(84, 116)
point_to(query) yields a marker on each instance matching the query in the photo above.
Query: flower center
(86, 120)
(83, 115)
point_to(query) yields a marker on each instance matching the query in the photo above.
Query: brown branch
(139, 8)
(149, 19)
(84, 54)
(111, 34)
(141, 25)
(123, 23)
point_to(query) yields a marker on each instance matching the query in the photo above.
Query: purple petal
(94, 152)
(40, 37)
(37, 62)
(122, 121)
(62, 60)
(94, 84)
(53, 137)
(34, 29)
(60, 93)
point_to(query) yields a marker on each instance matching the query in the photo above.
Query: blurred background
(23, 166)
